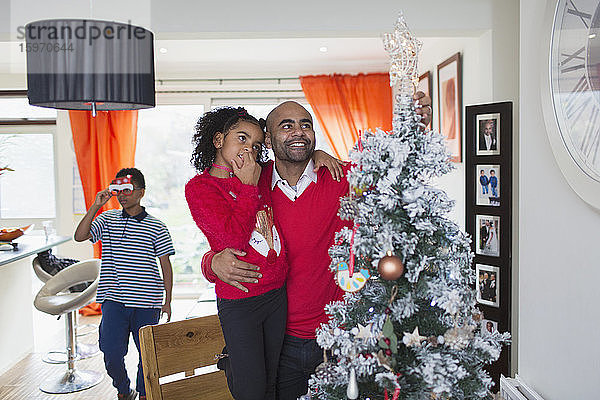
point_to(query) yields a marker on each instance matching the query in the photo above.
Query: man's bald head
(275, 116)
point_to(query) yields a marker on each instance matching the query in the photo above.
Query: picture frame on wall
(487, 134)
(449, 80)
(425, 85)
(487, 235)
(488, 285)
(489, 326)
(487, 184)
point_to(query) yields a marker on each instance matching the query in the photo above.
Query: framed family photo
(487, 185)
(489, 326)
(425, 85)
(487, 235)
(449, 80)
(488, 134)
(488, 285)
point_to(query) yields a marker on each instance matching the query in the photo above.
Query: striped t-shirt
(130, 245)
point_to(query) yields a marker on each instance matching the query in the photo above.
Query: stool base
(84, 351)
(71, 381)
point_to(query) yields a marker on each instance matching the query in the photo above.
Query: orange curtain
(103, 145)
(345, 104)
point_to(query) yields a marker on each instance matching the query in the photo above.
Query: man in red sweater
(305, 208)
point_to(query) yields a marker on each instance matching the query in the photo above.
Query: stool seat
(51, 301)
(57, 303)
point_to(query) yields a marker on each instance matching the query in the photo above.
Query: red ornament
(271, 256)
(387, 341)
(394, 396)
(390, 267)
(388, 352)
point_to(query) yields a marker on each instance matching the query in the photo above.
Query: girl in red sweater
(234, 211)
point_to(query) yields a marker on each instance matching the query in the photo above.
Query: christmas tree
(408, 327)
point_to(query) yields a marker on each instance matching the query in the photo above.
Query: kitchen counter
(29, 245)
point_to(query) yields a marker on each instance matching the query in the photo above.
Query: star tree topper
(404, 53)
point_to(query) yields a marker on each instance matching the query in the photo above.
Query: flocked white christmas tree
(408, 327)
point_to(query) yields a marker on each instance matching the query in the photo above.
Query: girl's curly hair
(218, 120)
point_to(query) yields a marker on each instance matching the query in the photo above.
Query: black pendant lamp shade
(93, 65)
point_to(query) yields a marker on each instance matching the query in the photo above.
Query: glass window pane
(163, 155)
(28, 191)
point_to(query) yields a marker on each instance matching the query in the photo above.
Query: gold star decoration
(413, 339)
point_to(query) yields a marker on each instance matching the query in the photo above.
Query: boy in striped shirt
(130, 288)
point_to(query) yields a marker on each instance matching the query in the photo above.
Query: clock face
(575, 81)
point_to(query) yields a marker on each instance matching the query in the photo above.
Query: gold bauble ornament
(390, 267)
(360, 190)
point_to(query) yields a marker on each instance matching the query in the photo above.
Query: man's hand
(247, 169)
(232, 271)
(322, 159)
(424, 111)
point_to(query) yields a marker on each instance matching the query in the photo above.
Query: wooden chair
(180, 348)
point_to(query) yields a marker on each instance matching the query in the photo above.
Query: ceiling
(267, 38)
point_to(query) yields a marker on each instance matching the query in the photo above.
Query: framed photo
(489, 325)
(487, 235)
(426, 86)
(487, 185)
(488, 285)
(488, 134)
(449, 78)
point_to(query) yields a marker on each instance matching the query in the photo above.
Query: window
(28, 191)
(163, 155)
(27, 147)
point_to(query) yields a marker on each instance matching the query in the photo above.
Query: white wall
(559, 350)
(477, 88)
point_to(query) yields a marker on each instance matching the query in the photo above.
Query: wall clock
(571, 93)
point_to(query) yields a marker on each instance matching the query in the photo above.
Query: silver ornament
(352, 391)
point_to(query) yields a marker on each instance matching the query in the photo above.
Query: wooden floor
(22, 381)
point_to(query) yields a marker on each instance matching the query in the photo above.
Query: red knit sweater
(308, 227)
(226, 212)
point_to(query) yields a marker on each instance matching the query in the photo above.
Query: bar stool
(53, 300)
(83, 350)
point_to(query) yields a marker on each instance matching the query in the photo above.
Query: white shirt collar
(309, 172)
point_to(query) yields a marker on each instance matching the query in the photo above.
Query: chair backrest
(180, 348)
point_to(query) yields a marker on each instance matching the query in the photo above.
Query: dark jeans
(253, 329)
(298, 360)
(117, 323)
